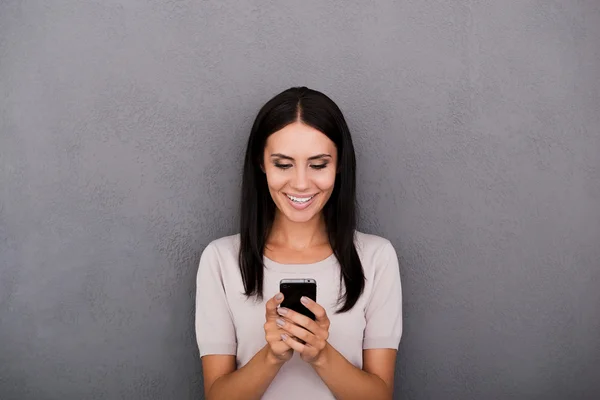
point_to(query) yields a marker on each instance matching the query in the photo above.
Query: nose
(300, 180)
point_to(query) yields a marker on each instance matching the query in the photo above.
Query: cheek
(275, 179)
(325, 181)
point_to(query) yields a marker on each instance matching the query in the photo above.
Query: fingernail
(282, 310)
(279, 296)
(284, 337)
(279, 322)
(304, 300)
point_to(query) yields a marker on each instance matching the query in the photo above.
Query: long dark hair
(318, 111)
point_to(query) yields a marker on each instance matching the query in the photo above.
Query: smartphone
(293, 290)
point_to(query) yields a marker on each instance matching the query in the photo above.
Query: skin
(300, 161)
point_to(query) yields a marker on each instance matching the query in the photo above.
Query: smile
(300, 200)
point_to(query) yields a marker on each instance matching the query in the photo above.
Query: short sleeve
(215, 332)
(383, 312)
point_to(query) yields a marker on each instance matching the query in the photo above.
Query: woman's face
(300, 163)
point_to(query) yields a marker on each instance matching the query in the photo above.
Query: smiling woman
(298, 223)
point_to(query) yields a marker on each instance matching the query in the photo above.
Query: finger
(294, 344)
(316, 309)
(274, 335)
(279, 346)
(270, 326)
(272, 331)
(271, 306)
(298, 332)
(299, 319)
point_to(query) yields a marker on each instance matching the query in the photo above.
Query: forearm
(348, 382)
(247, 383)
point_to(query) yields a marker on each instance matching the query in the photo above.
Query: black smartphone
(293, 290)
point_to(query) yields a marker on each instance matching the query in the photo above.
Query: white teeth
(298, 199)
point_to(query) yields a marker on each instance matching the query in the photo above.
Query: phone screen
(293, 290)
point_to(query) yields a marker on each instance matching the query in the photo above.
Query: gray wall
(477, 127)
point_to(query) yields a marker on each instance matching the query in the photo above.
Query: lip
(302, 206)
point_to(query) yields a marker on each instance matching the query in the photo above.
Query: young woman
(298, 220)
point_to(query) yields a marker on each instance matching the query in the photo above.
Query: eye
(320, 166)
(283, 166)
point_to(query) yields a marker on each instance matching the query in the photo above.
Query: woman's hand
(313, 333)
(279, 351)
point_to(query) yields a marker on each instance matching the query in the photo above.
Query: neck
(298, 235)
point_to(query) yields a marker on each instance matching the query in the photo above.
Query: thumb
(271, 306)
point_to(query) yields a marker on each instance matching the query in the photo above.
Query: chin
(299, 218)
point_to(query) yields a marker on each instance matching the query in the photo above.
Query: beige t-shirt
(229, 323)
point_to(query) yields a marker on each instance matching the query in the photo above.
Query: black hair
(257, 212)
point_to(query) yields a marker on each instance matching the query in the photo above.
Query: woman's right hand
(278, 351)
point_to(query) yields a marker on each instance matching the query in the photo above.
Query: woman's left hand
(313, 333)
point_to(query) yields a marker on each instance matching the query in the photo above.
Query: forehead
(299, 140)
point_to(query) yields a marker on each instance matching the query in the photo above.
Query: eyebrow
(317, 157)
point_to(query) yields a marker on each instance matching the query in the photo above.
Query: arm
(347, 382)
(381, 337)
(223, 381)
(217, 342)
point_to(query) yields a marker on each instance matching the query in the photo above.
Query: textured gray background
(477, 127)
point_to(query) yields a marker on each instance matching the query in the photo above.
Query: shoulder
(367, 244)
(225, 245)
(220, 253)
(374, 251)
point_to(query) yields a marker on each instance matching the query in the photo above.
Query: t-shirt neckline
(299, 268)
